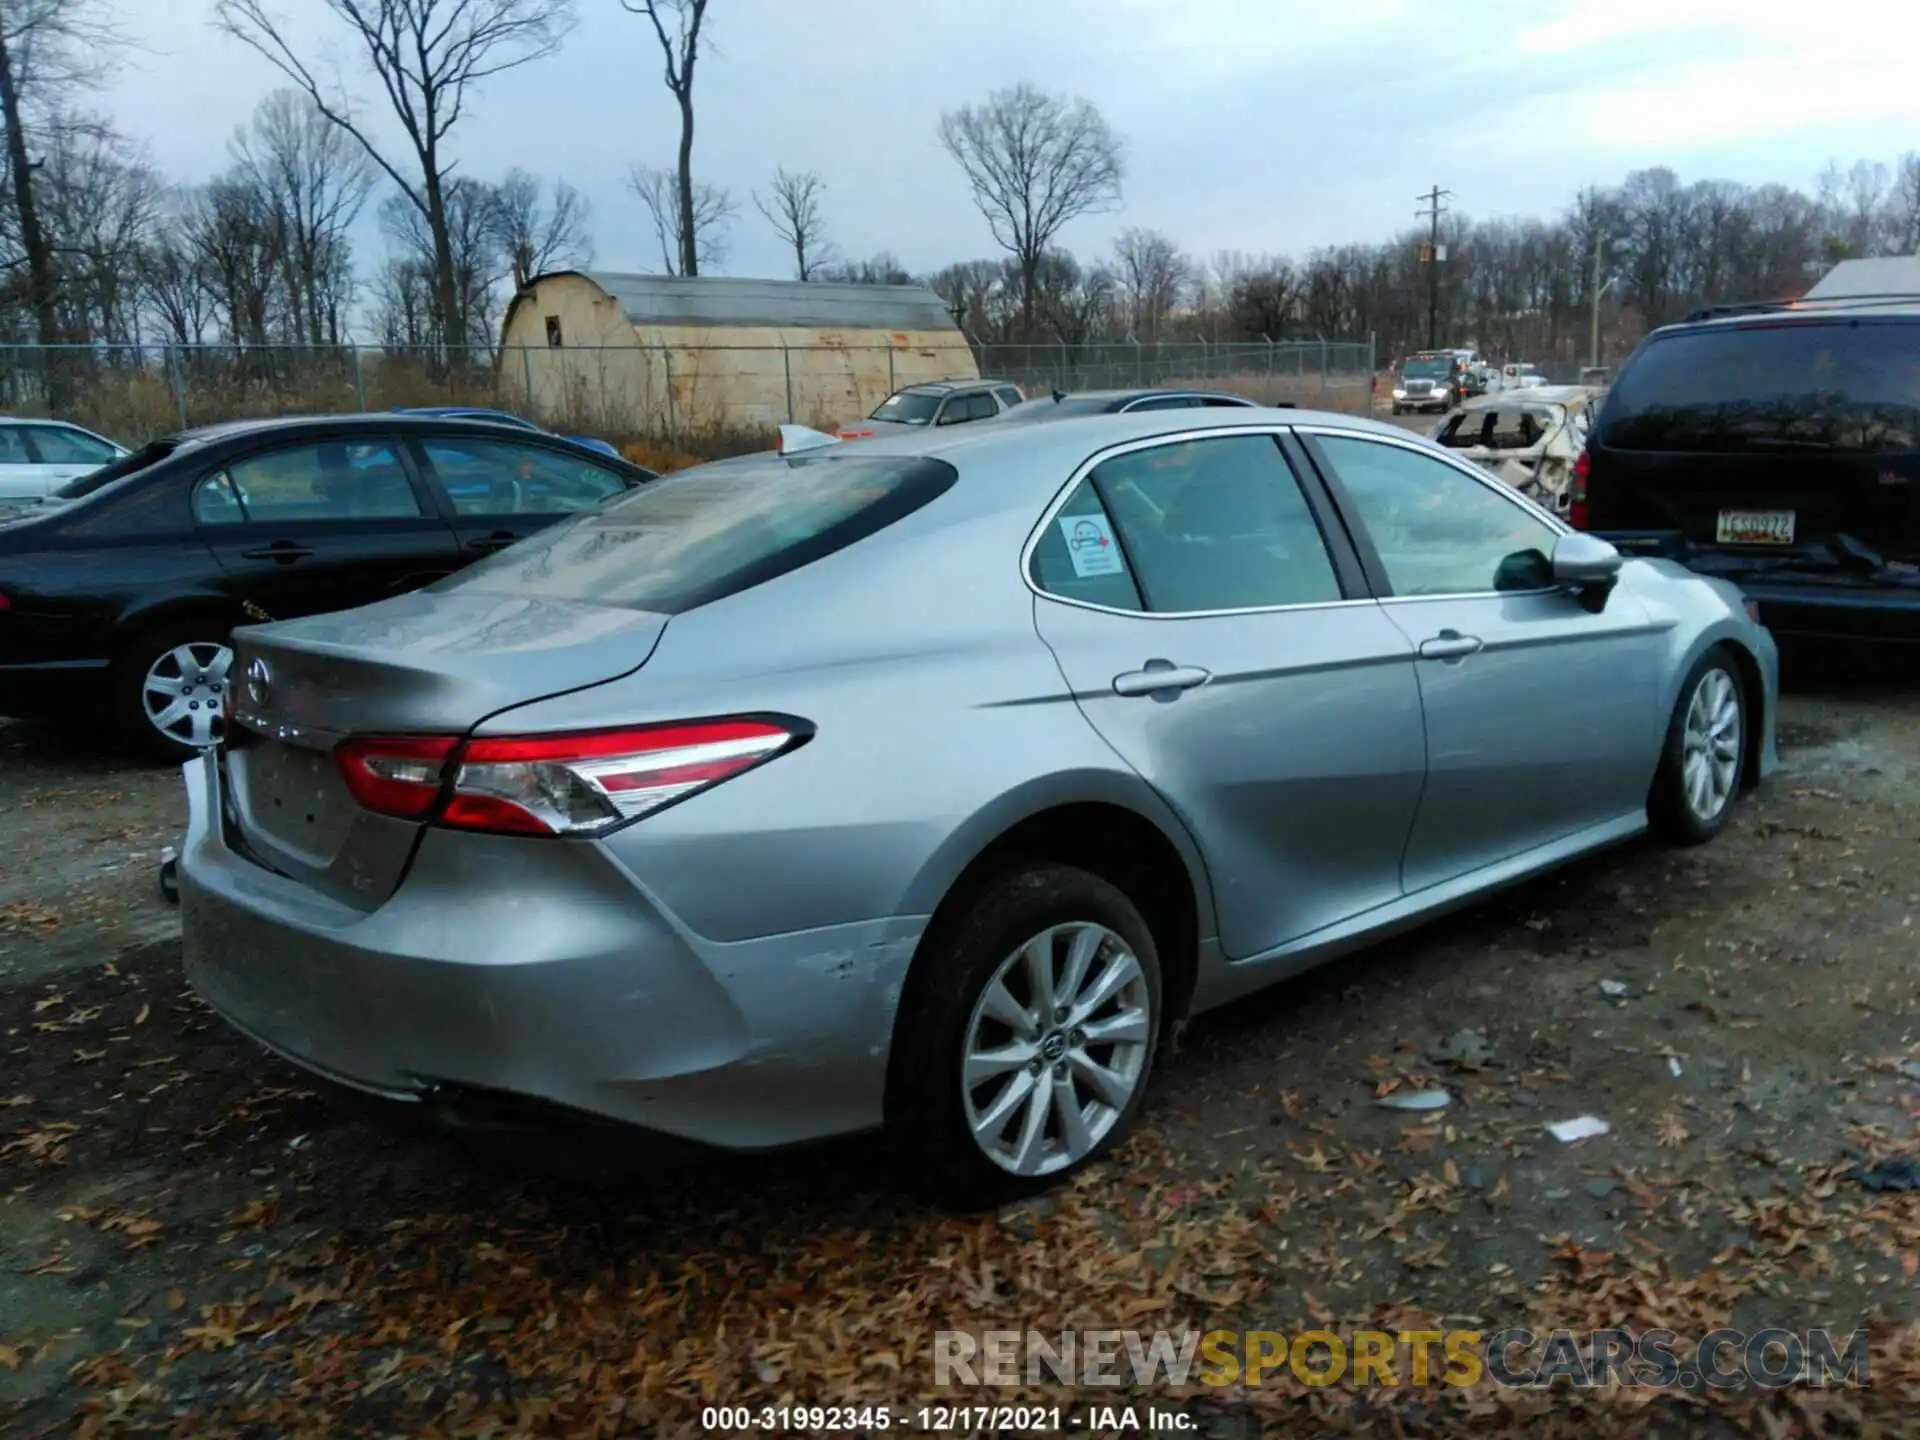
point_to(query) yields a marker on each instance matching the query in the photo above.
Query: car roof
(1059, 446)
(1768, 313)
(349, 423)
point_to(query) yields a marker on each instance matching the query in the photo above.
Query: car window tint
(1078, 558)
(214, 502)
(907, 407)
(1009, 397)
(1439, 531)
(1779, 388)
(980, 406)
(500, 477)
(1163, 402)
(13, 446)
(333, 480)
(1216, 524)
(699, 535)
(58, 445)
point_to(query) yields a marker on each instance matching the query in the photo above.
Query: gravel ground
(195, 1242)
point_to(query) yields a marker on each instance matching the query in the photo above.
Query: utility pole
(1593, 333)
(1433, 253)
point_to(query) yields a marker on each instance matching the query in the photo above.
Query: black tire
(1673, 816)
(1399, 409)
(926, 1105)
(130, 677)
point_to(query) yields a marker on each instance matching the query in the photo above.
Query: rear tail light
(5, 602)
(576, 784)
(397, 776)
(856, 434)
(1577, 492)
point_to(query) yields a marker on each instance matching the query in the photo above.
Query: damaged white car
(1529, 438)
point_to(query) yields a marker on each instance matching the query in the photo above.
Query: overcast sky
(1253, 125)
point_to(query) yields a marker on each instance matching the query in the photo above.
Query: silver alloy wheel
(183, 689)
(1055, 1048)
(1710, 745)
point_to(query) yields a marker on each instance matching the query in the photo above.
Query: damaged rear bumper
(544, 974)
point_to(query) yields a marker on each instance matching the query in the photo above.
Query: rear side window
(1849, 386)
(700, 535)
(1193, 526)
(1009, 397)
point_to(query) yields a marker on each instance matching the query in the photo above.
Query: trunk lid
(423, 663)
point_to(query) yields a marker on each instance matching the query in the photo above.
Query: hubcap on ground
(182, 691)
(1055, 1048)
(1710, 745)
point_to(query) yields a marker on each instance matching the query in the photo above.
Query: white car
(37, 457)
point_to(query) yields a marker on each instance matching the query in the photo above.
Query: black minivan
(1777, 446)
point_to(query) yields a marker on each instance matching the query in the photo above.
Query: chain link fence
(132, 392)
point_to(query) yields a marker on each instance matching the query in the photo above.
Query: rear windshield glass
(117, 470)
(909, 407)
(1852, 386)
(1066, 405)
(710, 532)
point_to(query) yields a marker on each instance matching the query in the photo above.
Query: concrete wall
(612, 377)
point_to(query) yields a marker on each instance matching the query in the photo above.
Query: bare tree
(1151, 272)
(1034, 162)
(881, 269)
(474, 250)
(680, 50)
(49, 50)
(705, 224)
(428, 55)
(539, 235)
(792, 208)
(1904, 206)
(173, 284)
(236, 240)
(316, 179)
(99, 203)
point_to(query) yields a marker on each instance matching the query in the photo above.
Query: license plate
(1754, 527)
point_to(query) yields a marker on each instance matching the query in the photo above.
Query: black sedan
(118, 594)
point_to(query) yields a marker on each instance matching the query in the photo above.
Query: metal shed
(661, 353)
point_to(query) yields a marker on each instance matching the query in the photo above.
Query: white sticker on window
(1090, 543)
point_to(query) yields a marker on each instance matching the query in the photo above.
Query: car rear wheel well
(1126, 850)
(1756, 697)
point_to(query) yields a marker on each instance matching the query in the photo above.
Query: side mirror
(1587, 565)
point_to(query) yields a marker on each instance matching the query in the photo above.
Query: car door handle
(498, 540)
(1159, 675)
(1450, 645)
(283, 551)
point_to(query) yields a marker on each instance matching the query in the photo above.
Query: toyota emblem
(259, 685)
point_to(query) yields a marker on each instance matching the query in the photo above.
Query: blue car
(504, 417)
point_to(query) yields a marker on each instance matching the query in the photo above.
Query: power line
(1431, 211)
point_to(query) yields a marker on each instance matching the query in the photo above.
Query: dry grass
(135, 403)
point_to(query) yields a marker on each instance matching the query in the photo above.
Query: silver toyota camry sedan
(926, 784)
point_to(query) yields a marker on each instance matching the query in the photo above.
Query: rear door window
(504, 477)
(1795, 386)
(1194, 526)
(333, 480)
(700, 535)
